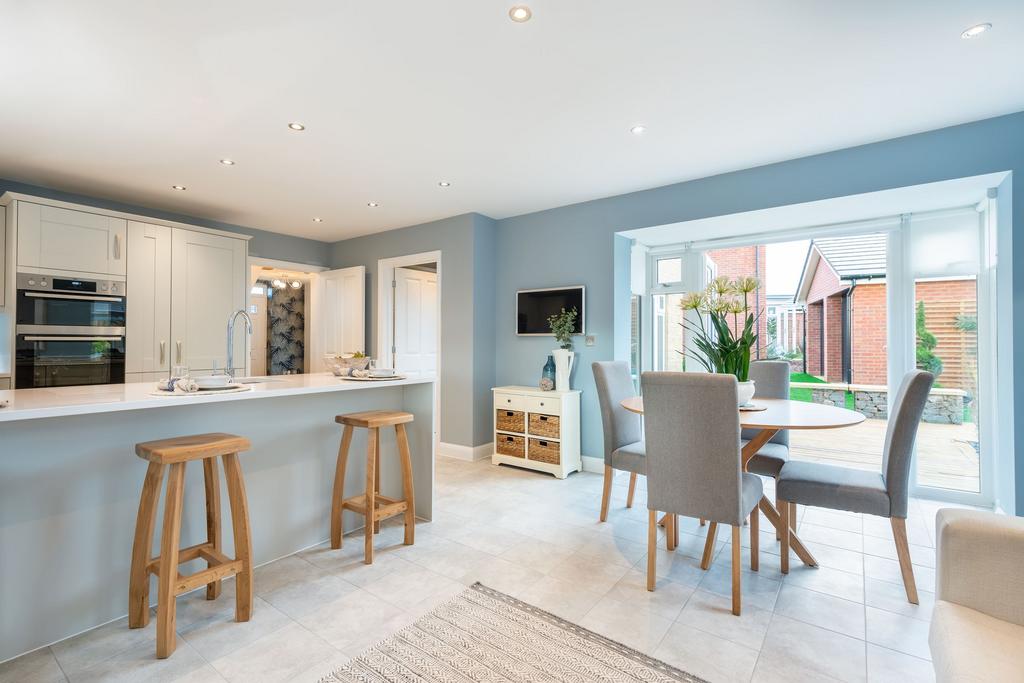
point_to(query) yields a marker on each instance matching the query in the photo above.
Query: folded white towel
(182, 385)
(360, 373)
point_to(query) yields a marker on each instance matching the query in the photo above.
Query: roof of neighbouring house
(852, 258)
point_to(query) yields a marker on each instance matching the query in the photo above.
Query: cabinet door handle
(543, 418)
(163, 348)
(179, 352)
(117, 246)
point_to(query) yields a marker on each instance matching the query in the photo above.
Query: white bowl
(212, 381)
(382, 372)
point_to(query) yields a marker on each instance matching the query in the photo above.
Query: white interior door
(415, 322)
(339, 314)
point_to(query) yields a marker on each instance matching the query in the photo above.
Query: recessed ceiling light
(975, 31)
(180, 188)
(228, 162)
(520, 13)
(317, 219)
(295, 125)
(638, 130)
(372, 205)
(444, 183)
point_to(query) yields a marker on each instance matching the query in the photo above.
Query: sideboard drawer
(507, 444)
(510, 421)
(545, 451)
(544, 425)
(509, 401)
(548, 406)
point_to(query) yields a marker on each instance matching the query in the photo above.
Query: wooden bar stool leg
(408, 492)
(168, 571)
(242, 535)
(371, 497)
(376, 476)
(213, 529)
(138, 584)
(339, 487)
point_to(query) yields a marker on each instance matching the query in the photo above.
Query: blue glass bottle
(547, 379)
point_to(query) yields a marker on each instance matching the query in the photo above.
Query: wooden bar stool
(371, 504)
(170, 584)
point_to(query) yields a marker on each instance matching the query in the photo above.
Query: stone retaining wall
(945, 406)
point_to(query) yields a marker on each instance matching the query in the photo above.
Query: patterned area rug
(484, 635)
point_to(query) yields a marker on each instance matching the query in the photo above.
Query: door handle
(163, 347)
(117, 246)
(179, 352)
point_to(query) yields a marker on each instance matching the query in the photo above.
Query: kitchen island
(70, 483)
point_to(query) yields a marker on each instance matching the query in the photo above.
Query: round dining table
(769, 416)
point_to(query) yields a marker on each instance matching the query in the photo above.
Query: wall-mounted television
(533, 306)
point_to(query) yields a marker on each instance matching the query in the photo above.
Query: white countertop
(29, 404)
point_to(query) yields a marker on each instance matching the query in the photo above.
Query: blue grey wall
(575, 244)
(467, 245)
(263, 243)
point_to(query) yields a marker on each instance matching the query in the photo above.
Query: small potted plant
(563, 325)
(720, 347)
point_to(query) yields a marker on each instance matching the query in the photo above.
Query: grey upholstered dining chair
(771, 380)
(623, 445)
(885, 493)
(694, 465)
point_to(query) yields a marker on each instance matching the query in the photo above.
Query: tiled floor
(537, 538)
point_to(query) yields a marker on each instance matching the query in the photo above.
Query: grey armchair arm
(981, 562)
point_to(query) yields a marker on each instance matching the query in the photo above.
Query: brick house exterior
(842, 302)
(743, 262)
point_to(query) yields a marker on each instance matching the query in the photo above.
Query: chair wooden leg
(652, 548)
(783, 529)
(792, 516)
(675, 531)
(138, 583)
(709, 546)
(339, 487)
(632, 489)
(242, 534)
(703, 521)
(899, 535)
(755, 539)
(670, 536)
(376, 481)
(736, 559)
(407, 484)
(371, 498)
(607, 493)
(170, 540)
(778, 506)
(213, 527)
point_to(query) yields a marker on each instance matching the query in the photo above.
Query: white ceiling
(121, 99)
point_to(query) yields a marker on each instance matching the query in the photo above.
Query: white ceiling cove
(122, 99)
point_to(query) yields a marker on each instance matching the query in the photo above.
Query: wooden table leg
(772, 515)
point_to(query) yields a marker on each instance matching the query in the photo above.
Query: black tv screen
(533, 306)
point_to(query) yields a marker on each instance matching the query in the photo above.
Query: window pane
(670, 270)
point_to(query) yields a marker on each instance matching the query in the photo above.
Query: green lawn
(801, 394)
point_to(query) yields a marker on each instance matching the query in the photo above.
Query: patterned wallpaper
(286, 329)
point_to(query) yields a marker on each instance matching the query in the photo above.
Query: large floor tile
(220, 634)
(569, 600)
(279, 656)
(713, 614)
(825, 580)
(837, 538)
(821, 609)
(892, 597)
(889, 666)
(355, 621)
(588, 569)
(666, 600)
(638, 629)
(756, 589)
(897, 632)
(35, 667)
(103, 643)
(142, 665)
(795, 651)
(706, 655)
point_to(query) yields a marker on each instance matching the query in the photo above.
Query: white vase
(745, 391)
(563, 368)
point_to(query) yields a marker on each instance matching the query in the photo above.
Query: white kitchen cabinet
(208, 283)
(4, 241)
(153, 377)
(148, 312)
(5, 383)
(55, 238)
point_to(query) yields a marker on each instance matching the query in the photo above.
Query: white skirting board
(468, 453)
(592, 464)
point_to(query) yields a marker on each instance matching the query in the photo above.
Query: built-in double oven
(70, 331)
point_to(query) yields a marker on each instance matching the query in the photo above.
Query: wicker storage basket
(506, 444)
(544, 425)
(542, 450)
(510, 421)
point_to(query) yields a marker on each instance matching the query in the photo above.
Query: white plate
(373, 379)
(230, 389)
(213, 381)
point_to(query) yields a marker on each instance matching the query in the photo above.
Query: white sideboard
(537, 429)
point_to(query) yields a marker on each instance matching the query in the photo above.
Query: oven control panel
(69, 285)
